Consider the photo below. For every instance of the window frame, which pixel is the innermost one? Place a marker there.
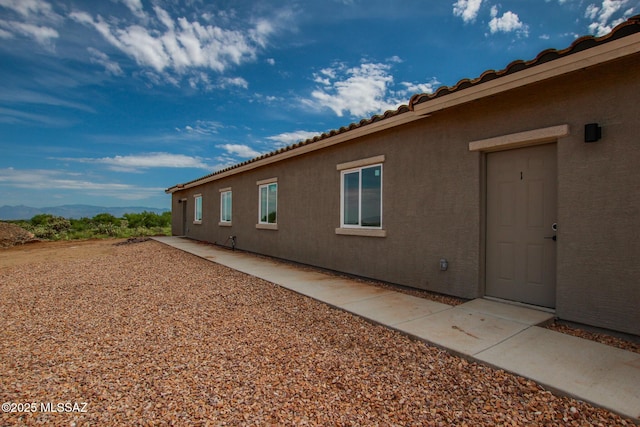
(197, 208)
(223, 220)
(359, 166)
(266, 184)
(359, 171)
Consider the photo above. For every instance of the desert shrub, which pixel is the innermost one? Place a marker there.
(134, 220)
(41, 219)
(147, 219)
(44, 232)
(165, 219)
(56, 224)
(107, 229)
(50, 227)
(82, 224)
(106, 218)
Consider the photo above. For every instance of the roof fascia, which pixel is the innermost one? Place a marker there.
(587, 58)
(388, 123)
(606, 52)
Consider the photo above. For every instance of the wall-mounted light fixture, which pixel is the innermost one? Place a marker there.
(444, 264)
(592, 132)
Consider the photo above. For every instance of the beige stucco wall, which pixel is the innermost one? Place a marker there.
(433, 190)
(599, 204)
(421, 193)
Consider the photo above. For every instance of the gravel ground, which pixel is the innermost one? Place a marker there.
(629, 344)
(148, 335)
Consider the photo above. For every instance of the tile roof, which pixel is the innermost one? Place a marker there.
(630, 26)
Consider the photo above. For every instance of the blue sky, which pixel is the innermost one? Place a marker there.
(109, 102)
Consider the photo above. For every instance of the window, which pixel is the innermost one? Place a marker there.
(197, 214)
(268, 204)
(225, 206)
(362, 197)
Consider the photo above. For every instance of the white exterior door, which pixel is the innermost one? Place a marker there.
(521, 217)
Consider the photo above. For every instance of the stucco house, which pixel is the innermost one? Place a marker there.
(522, 184)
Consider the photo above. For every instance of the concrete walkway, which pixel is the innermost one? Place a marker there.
(501, 335)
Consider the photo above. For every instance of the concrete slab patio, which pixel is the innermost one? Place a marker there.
(501, 335)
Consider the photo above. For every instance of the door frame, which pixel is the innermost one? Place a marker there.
(183, 217)
(552, 134)
(531, 253)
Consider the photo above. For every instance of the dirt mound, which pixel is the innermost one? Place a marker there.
(11, 234)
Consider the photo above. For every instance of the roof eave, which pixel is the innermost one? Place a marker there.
(375, 127)
(587, 58)
(423, 105)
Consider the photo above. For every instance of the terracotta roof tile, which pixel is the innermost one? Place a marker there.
(631, 26)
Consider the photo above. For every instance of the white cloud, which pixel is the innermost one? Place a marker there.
(603, 15)
(135, 6)
(240, 150)
(322, 80)
(154, 160)
(467, 9)
(411, 89)
(133, 163)
(81, 18)
(202, 128)
(10, 115)
(101, 58)
(507, 23)
(21, 96)
(330, 72)
(195, 79)
(289, 138)
(610, 7)
(592, 11)
(146, 49)
(357, 91)
(363, 90)
(261, 32)
(234, 81)
(40, 179)
(41, 34)
(36, 18)
(28, 8)
(178, 45)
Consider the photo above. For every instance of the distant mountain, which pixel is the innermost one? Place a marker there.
(70, 211)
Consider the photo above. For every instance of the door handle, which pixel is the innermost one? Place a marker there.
(554, 238)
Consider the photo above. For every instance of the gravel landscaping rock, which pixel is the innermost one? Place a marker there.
(627, 343)
(148, 335)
